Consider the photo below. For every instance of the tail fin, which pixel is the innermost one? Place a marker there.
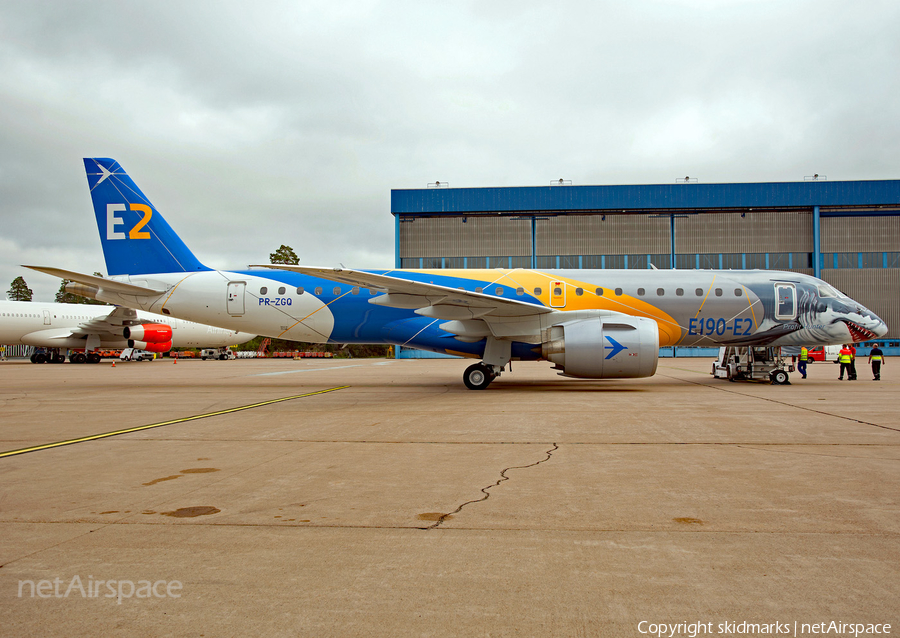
(136, 239)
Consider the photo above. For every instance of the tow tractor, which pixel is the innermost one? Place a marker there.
(753, 363)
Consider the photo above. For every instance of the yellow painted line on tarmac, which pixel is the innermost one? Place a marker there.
(94, 437)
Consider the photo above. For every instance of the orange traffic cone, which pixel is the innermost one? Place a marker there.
(175, 361)
(114, 363)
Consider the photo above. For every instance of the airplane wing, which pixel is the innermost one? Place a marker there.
(427, 299)
(98, 282)
(113, 323)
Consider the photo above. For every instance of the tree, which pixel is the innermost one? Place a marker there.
(19, 290)
(284, 255)
(67, 297)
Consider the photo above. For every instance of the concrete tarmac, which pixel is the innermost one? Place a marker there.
(405, 505)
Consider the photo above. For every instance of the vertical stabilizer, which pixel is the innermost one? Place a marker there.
(136, 239)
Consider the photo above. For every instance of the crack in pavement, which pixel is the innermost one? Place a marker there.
(487, 495)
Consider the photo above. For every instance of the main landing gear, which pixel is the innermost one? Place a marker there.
(480, 375)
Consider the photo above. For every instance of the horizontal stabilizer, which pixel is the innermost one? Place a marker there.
(100, 282)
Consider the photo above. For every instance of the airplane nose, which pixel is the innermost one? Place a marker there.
(881, 329)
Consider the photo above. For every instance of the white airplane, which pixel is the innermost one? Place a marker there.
(597, 324)
(60, 326)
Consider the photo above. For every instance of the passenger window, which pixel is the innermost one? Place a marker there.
(281, 290)
(319, 290)
(679, 292)
(640, 292)
(699, 292)
(538, 292)
(263, 290)
(479, 290)
(499, 291)
(520, 291)
(599, 292)
(337, 290)
(579, 291)
(557, 292)
(660, 292)
(300, 290)
(355, 290)
(718, 292)
(618, 292)
(737, 292)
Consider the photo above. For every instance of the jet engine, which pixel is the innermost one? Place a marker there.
(149, 332)
(165, 346)
(620, 347)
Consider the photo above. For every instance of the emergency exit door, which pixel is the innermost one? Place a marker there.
(557, 294)
(235, 304)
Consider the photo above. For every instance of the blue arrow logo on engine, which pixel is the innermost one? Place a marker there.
(615, 346)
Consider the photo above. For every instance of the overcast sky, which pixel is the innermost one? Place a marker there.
(252, 124)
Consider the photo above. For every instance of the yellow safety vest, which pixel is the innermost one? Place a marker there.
(844, 358)
(804, 354)
(876, 357)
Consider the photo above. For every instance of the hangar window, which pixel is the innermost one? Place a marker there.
(699, 292)
(499, 291)
(337, 290)
(679, 292)
(537, 292)
(738, 292)
(281, 290)
(641, 292)
(718, 292)
(618, 292)
(319, 290)
(263, 290)
(300, 290)
(579, 291)
(599, 292)
(520, 291)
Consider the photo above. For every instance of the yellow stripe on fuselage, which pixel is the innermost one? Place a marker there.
(669, 331)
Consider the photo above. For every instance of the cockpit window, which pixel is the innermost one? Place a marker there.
(827, 291)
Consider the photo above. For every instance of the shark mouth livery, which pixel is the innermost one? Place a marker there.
(596, 324)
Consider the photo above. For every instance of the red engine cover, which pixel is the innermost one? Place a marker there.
(150, 347)
(150, 332)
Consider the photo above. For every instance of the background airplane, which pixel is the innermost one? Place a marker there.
(61, 326)
(590, 323)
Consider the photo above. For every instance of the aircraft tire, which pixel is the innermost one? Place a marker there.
(478, 376)
(78, 357)
(93, 358)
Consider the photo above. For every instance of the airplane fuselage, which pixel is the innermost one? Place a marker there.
(60, 325)
(690, 307)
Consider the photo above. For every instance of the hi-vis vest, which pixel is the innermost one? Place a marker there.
(844, 356)
(804, 354)
(876, 357)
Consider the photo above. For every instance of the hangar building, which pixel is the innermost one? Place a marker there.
(846, 232)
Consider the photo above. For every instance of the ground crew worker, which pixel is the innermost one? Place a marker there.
(844, 358)
(801, 364)
(876, 358)
(852, 376)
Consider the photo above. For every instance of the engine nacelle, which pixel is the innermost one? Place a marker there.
(149, 332)
(608, 348)
(150, 347)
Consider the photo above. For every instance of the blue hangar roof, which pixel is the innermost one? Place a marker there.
(771, 195)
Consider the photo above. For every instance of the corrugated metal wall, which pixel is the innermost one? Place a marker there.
(602, 235)
(478, 236)
(878, 289)
(860, 234)
(769, 232)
